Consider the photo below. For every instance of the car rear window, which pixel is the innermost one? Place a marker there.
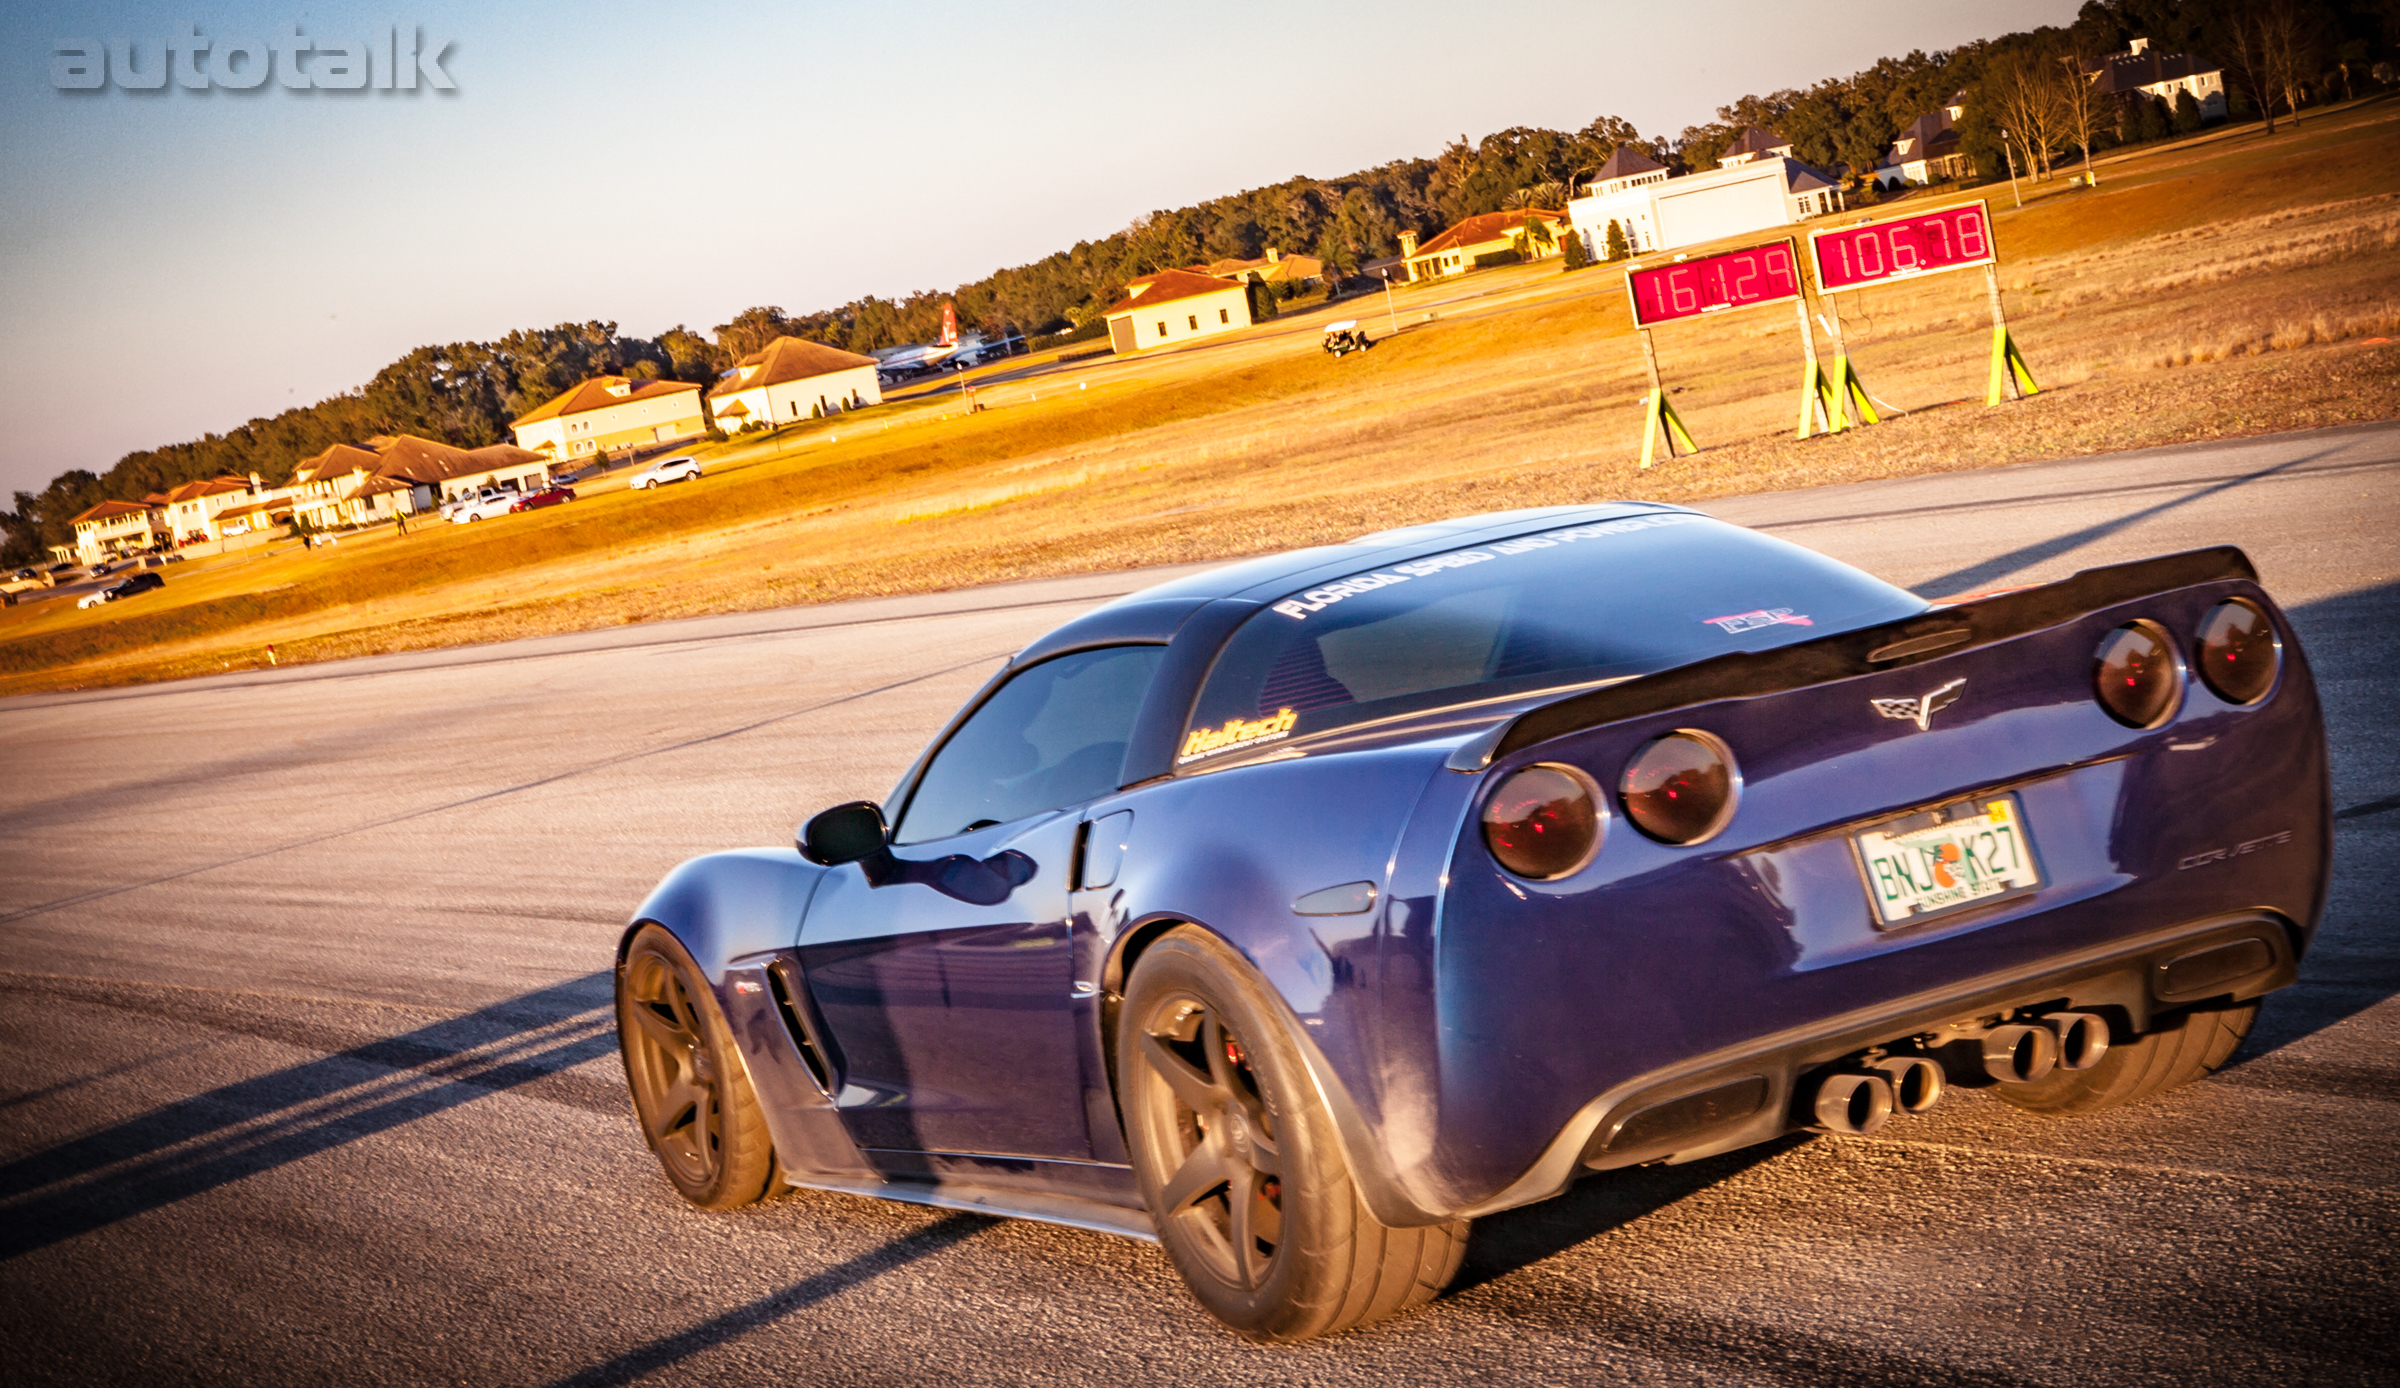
(1547, 609)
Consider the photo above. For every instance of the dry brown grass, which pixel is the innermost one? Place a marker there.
(2149, 316)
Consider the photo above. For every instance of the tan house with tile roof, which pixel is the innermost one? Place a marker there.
(612, 412)
(1455, 251)
(364, 484)
(192, 508)
(1174, 307)
(1274, 268)
(113, 527)
(790, 379)
(443, 472)
(323, 484)
(270, 510)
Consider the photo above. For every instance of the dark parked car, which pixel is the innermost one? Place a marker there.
(1297, 913)
(141, 582)
(551, 497)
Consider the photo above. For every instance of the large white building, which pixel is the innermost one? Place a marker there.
(1756, 186)
(612, 413)
(789, 379)
(1175, 306)
(2162, 76)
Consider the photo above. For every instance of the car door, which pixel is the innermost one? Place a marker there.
(945, 967)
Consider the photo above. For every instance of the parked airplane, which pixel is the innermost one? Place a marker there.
(952, 350)
(915, 358)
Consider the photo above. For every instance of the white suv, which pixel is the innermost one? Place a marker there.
(677, 469)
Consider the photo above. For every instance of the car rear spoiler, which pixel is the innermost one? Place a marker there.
(1843, 655)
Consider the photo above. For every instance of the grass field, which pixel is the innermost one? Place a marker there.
(2231, 285)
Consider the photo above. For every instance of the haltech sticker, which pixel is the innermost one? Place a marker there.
(1236, 734)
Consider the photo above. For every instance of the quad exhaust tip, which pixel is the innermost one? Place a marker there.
(2023, 1053)
(1916, 1081)
(2082, 1038)
(2020, 1054)
(1853, 1103)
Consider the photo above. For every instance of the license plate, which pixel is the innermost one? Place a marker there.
(1948, 858)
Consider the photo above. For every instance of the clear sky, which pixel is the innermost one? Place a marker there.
(177, 262)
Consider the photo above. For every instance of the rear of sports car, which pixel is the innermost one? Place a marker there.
(2057, 841)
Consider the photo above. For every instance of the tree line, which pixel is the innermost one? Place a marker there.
(2031, 106)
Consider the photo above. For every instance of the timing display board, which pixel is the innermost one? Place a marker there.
(1747, 278)
(1953, 238)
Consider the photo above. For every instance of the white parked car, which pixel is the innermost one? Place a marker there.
(490, 501)
(678, 469)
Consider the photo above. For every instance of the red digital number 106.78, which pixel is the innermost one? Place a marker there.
(1937, 241)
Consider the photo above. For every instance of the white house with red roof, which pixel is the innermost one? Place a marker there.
(192, 507)
(791, 379)
(1174, 307)
(114, 527)
(1484, 239)
(612, 412)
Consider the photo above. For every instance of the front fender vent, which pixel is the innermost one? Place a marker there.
(803, 1035)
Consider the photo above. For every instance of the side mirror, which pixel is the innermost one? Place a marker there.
(844, 834)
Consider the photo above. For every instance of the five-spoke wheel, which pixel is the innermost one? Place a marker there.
(1227, 1189)
(1241, 1165)
(689, 1089)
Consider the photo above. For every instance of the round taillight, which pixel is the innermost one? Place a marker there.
(1681, 788)
(2239, 651)
(1543, 822)
(2137, 676)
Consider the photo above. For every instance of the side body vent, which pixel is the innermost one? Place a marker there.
(783, 982)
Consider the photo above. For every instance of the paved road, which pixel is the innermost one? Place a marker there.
(306, 1072)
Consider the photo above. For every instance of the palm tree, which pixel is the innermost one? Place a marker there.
(1550, 195)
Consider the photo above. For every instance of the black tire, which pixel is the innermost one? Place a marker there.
(690, 1092)
(1240, 1164)
(2179, 1049)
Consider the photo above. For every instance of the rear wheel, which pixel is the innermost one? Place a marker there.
(2179, 1049)
(689, 1088)
(1240, 1164)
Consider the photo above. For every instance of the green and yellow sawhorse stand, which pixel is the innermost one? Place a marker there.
(1659, 419)
(2010, 375)
(1826, 401)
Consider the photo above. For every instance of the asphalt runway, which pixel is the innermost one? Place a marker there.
(308, 1075)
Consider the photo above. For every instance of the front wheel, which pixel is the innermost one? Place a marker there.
(690, 1092)
(2176, 1051)
(1240, 1163)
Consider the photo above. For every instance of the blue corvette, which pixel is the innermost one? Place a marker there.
(1298, 913)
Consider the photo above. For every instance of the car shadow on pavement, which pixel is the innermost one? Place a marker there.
(1500, 1244)
(195, 1145)
(668, 1350)
(1976, 577)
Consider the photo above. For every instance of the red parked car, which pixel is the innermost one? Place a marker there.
(537, 500)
